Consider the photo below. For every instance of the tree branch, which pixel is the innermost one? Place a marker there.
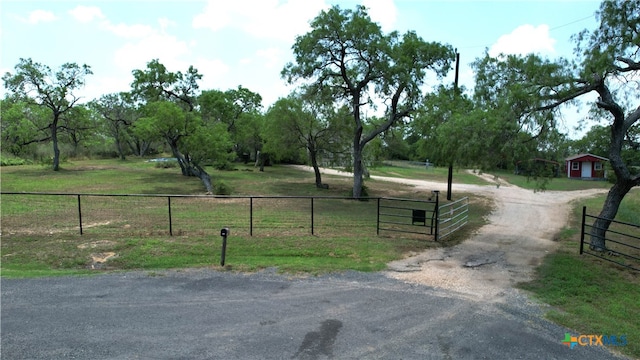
(632, 65)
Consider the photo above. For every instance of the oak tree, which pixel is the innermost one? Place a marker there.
(347, 53)
(38, 84)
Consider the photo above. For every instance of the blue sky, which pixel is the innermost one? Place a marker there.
(247, 42)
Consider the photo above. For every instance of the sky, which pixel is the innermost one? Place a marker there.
(248, 42)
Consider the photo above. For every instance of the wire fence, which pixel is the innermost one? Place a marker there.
(203, 215)
(25, 214)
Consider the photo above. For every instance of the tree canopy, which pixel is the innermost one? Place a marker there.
(348, 54)
(38, 84)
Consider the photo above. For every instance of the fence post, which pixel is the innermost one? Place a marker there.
(584, 216)
(251, 216)
(378, 219)
(170, 222)
(312, 216)
(80, 214)
(437, 213)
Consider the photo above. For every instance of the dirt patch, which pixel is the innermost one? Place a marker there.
(98, 260)
(97, 244)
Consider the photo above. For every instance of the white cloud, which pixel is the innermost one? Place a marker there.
(86, 14)
(130, 31)
(525, 39)
(261, 19)
(40, 16)
(383, 12)
(168, 49)
(166, 23)
(102, 85)
(213, 71)
(271, 58)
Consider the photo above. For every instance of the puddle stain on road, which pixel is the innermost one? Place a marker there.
(317, 343)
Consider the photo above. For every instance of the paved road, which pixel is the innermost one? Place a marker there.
(204, 314)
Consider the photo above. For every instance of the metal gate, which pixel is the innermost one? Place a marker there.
(408, 215)
(452, 217)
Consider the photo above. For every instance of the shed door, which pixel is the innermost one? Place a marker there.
(586, 169)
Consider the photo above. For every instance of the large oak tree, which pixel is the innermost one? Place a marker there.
(170, 113)
(38, 84)
(349, 54)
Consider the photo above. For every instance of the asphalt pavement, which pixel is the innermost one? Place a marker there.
(207, 314)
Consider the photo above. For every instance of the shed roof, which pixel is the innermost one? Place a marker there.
(576, 157)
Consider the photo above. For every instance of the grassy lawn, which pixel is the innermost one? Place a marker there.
(554, 184)
(590, 295)
(40, 233)
(405, 169)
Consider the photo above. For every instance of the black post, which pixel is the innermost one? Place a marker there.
(312, 216)
(449, 181)
(455, 94)
(251, 216)
(378, 219)
(224, 233)
(437, 212)
(170, 222)
(584, 216)
(80, 214)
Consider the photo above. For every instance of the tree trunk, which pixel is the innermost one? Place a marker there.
(608, 213)
(190, 168)
(358, 172)
(313, 155)
(624, 179)
(54, 140)
(120, 149)
(118, 139)
(198, 171)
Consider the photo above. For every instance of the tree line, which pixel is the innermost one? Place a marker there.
(345, 67)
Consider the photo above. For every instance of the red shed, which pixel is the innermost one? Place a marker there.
(586, 166)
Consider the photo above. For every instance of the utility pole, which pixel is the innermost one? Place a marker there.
(455, 97)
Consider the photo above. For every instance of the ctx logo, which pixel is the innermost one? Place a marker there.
(594, 340)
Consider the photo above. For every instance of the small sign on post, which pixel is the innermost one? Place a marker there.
(224, 233)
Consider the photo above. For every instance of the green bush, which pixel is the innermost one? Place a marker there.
(12, 161)
(222, 188)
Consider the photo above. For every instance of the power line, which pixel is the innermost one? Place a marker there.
(570, 23)
(550, 29)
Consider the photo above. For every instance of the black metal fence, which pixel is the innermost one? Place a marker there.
(25, 214)
(49, 213)
(622, 247)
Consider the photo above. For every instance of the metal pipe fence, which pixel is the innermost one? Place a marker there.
(25, 214)
(184, 215)
(622, 241)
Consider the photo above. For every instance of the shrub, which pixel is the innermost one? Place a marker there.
(222, 188)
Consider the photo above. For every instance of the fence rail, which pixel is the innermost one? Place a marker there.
(452, 217)
(622, 247)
